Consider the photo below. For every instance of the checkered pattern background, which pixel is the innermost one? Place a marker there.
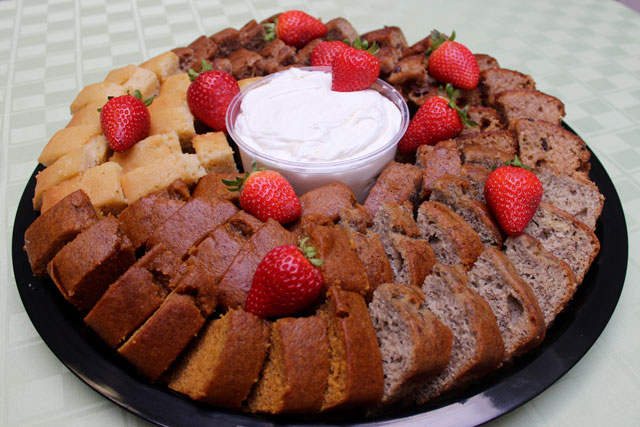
(586, 52)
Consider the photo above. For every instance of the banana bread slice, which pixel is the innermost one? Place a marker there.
(477, 343)
(294, 377)
(398, 182)
(544, 144)
(565, 237)
(410, 255)
(453, 240)
(503, 140)
(552, 281)
(487, 118)
(224, 362)
(435, 161)
(415, 345)
(579, 197)
(514, 304)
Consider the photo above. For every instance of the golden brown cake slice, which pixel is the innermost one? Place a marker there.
(164, 65)
(133, 78)
(131, 299)
(295, 374)
(494, 81)
(414, 344)
(211, 186)
(398, 182)
(85, 268)
(328, 200)
(355, 372)
(96, 92)
(56, 227)
(435, 161)
(224, 362)
(529, 104)
(150, 150)
(214, 152)
(67, 140)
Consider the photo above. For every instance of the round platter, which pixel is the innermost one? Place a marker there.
(574, 331)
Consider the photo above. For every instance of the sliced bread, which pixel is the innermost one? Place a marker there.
(415, 345)
(529, 104)
(498, 80)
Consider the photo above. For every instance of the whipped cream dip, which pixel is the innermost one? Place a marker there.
(297, 117)
(292, 122)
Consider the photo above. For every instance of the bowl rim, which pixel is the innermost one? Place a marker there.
(312, 167)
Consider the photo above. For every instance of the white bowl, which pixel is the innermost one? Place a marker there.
(359, 173)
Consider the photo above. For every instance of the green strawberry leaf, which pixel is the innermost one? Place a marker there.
(437, 38)
(451, 95)
(309, 252)
(515, 162)
(270, 30)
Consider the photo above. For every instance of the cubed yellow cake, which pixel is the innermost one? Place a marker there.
(159, 175)
(214, 152)
(133, 77)
(150, 150)
(163, 65)
(91, 154)
(87, 115)
(96, 92)
(101, 183)
(66, 140)
(169, 114)
(175, 87)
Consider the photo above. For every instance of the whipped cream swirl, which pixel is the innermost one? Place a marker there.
(297, 117)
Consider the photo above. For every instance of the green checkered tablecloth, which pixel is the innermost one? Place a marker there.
(586, 52)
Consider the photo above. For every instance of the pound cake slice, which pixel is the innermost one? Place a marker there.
(579, 197)
(514, 304)
(85, 268)
(565, 237)
(56, 227)
(414, 344)
(551, 280)
(453, 241)
(355, 372)
(545, 144)
(477, 343)
(410, 256)
(224, 362)
(294, 377)
(131, 299)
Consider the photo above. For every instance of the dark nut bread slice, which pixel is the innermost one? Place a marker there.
(486, 62)
(228, 41)
(84, 268)
(514, 304)
(529, 104)
(435, 161)
(552, 281)
(245, 63)
(498, 80)
(415, 345)
(355, 371)
(579, 197)
(487, 118)
(225, 360)
(453, 240)
(303, 56)
(409, 70)
(398, 182)
(544, 144)
(455, 192)
(388, 57)
(410, 256)
(252, 36)
(294, 377)
(477, 343)
(340, 29)
(565, 237)
(386, 37)
(56, 227)
(503, 140)
(368, 246)
(328, 200)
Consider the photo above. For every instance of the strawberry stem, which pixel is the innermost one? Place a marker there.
(236, 184)
(270, 30)
(437, 38)
(309, 252)
(364, 45)
(515, 162)
(451, 94)
(193, 74)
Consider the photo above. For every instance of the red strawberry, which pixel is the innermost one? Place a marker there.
(513, 194)
(210, 94)
(324, 53)
(295, 28)
(125, 120)
(286, 281)
(439, 118)
(452, 62)
(355, 69)
(266, 194)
